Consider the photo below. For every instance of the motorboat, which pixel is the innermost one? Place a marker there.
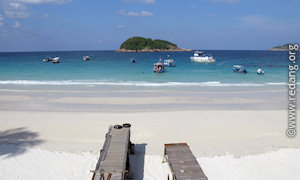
(132, 61)
(240, 69)
(86, 58)
(170, 63)
(55, 60)
(47, 59)
(201, 57)
(159, 67)
(260, 72)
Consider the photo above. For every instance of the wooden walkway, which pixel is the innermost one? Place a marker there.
(182, 162)
(113, 162)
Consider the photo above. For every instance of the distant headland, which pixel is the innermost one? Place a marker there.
(284, 47)
(140, 44)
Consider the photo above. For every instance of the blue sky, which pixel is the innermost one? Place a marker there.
(49, 25)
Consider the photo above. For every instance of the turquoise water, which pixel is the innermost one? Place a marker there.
(111, 68)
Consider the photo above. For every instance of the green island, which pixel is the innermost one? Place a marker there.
(284, 47)
(140, 44)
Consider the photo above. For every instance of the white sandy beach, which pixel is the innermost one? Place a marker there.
(40, 141)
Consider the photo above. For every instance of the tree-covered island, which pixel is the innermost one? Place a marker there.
(140, 44)
(284, 47)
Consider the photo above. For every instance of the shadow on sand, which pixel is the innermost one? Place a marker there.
(137, 161)
(16, 141)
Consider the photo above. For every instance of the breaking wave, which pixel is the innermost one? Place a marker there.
(131, 83)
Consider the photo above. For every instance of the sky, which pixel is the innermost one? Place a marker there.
(52, 25)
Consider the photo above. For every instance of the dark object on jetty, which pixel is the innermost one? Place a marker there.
(118, 126)
(182, 162)
(126, 125)
(113, 163)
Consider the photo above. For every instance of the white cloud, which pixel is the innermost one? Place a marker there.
(15, 10)
(43, 1)
(146, 13)
(131, 13)
(19, 9)
(121, 26)
(141, 1)
(17, 25)
(226, 1)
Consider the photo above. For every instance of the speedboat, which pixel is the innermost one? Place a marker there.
(260, 72)
(170, 63)
(159, 67)
(132, 61)
(47, 59)
(86, 58)
(240, 69)
(55, 60)
(200, 57)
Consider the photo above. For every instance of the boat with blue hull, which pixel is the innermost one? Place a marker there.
(132, 61)
(159, 67)
(239, 69)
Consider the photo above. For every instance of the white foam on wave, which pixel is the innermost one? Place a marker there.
(276, 83)
(131, 83)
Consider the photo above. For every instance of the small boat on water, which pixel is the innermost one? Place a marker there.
(132, 61)
(239, 69)
(55, 60)
(47, 59)
(170, 63)
(201, 57)
(86, 58)
(159, 67)
(260, 72)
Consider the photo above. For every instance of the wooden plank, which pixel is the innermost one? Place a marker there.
(183, 163)
(113, 156)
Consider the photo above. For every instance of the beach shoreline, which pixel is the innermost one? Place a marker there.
(127, 99)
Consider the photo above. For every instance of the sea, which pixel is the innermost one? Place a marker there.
(110, 68)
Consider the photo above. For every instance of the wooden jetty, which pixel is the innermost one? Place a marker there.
(182, 162)
(113, 163)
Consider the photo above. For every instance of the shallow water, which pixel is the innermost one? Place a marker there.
(112, 68)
